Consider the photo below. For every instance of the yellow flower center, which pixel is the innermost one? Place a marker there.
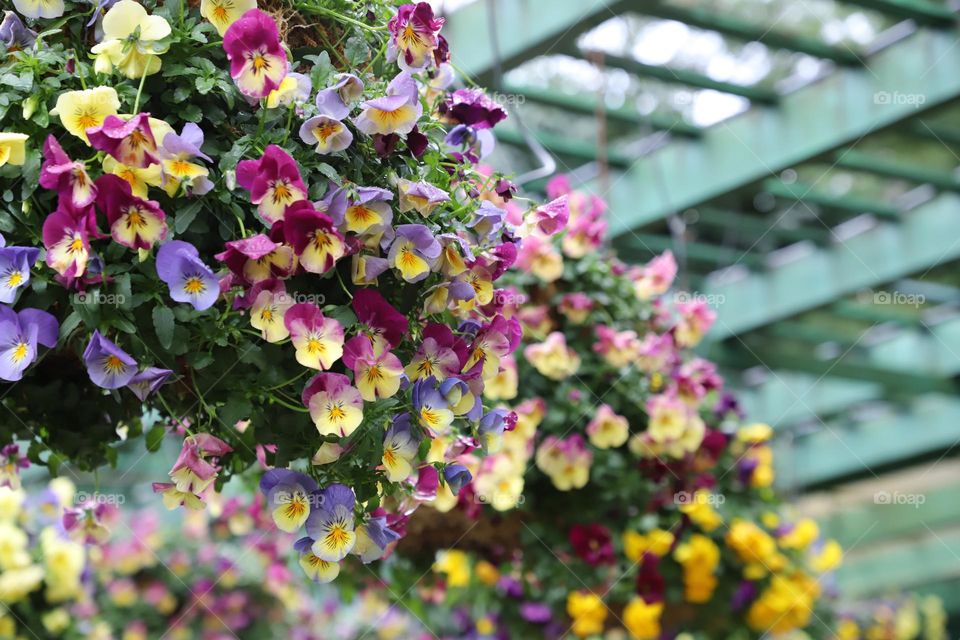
(14, 278)
(19, 352)
(113, 364)
(194, 284)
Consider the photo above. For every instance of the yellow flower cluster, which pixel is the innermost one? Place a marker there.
(785, 604)
(699, 557)
(751, 446)
(657, 542)
(699, 508)
(455, 565)
(642, 619)
(587, 612)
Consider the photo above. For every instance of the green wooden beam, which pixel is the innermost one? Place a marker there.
(925, 237)
(807, 194)
(790, 397)
(685, 77)
(859, 161)
(643, 246)
(625, 115)
(814, 120)
(930, 425)
(805, 331)
(751, 32)
(561, 146)
(882, 313)
(934, 132)
(759, 226)
(523, 30)
(921, 11)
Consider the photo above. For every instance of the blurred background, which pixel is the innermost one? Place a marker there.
(799, 158)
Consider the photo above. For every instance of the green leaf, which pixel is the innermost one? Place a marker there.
(356, 50)
(164, 324)
(329, 171)
(67, 326)
(186, 215)
(155, 437)
(205, 85)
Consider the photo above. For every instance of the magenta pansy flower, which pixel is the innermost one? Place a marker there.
(66, 238)
(415, 34)
(379, 321)
(20, 335)
(108, 366)
(335, 405)
(68, 177)
(552, 217)
(258, 63)
(474, 108)
(130, 142)
(313, 237)
(197, 466)
(258, 258)
(273, 181)
(376, 370)
(318, 340)
(189, 279)
(134, 222)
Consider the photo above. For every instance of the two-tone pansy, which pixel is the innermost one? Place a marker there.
(414, 252)
(258, 63)
(270, 304)
(177, 153)
(67, 240)
(318, 340)
(69, 178)
(313, 236)
(189, 279)
(86, 109)
(315, 567)
(273, 181)
(36, 9)
(376, 370)
(379, 321)
(396, 112)
(293, 90)
(15, 265)
(290, 495)
(130, 142)
(134, 222)
(415, 34)
(331, 524)
(335, 100)
(145, 384)
(108, 366)
(421, 197)
(399, 449)
(257, 258)
(329, 135)
(223, 13)
(334, 404)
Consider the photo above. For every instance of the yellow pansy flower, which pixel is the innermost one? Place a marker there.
(131, 41)
(13, 148)
(82, 110)
(223, 13)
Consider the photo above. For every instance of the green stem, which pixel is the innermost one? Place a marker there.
(289, 122)
(288, 382)
(143, 78)
(383, 49)
(330, 13)
(263, 120)
(288, 405)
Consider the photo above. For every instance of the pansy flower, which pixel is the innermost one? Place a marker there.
(12, 462)
(273, 181)
(86, 109)
(269, 307)
(13, 148)
(318, 340)
(176, 155)
(335, 405)
(174, 498)
(134, 222)
(290, 495)
(607, 430)
(373, 538)
(376, 370)
(365, 269)
(331, 524)
(414, 251)
(415, 34)
(328, 134)
(431, 407)
(130, 141)
(421, 197)
(491, 428)
(399, 449)
(494, 341)
(368, 212)
(456, 476)
(68, 177)
(189, 279)
(335, 100)
(552, 217)
(85, 523)
(197, 466)
(223, 13)
(39, 8)
(20, 333)
(258, 63)
(473, 108)
(145, 384)
(435, 356)
(258, 258)
(396, 112)
(132, 41)
(313, 237)
(140, 180)
(14, 35)
(15, 265)
(380, 322)
(316, 568)
(552, 357)
(293, 90)
(109, 366)
(67, 241)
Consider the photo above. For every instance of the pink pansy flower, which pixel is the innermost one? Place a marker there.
(436, 355)
(422, 197)
(377, 371)
(584, 233)
(552, 357)
(396, 112)
(197, 465)
(130, 142)
(576, 307)
(415, 34)
(267, 313)
(656, 277)
(313, 237)
(258, 63)
(68, 177)
(379, 321)
(258, 258)
(618, 348)
(134, 222)
(494, 341)
(67, 241)
(696, 318)
(335, 405)
(552, 217)
(318, 340)
(273, 181)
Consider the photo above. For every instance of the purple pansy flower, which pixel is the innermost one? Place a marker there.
(473, 108)
(179, 265)
(146, 383)
(109, 366)
(334, 101)
(414, 252)
(396, 112)
(290, 495)
(373, 538)
(456, 475)
(327, 133)
(487, 221)
(14, 35)
(20, 333)
(420, 196)
(15, 265)
(432, 410)
(331, 524)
